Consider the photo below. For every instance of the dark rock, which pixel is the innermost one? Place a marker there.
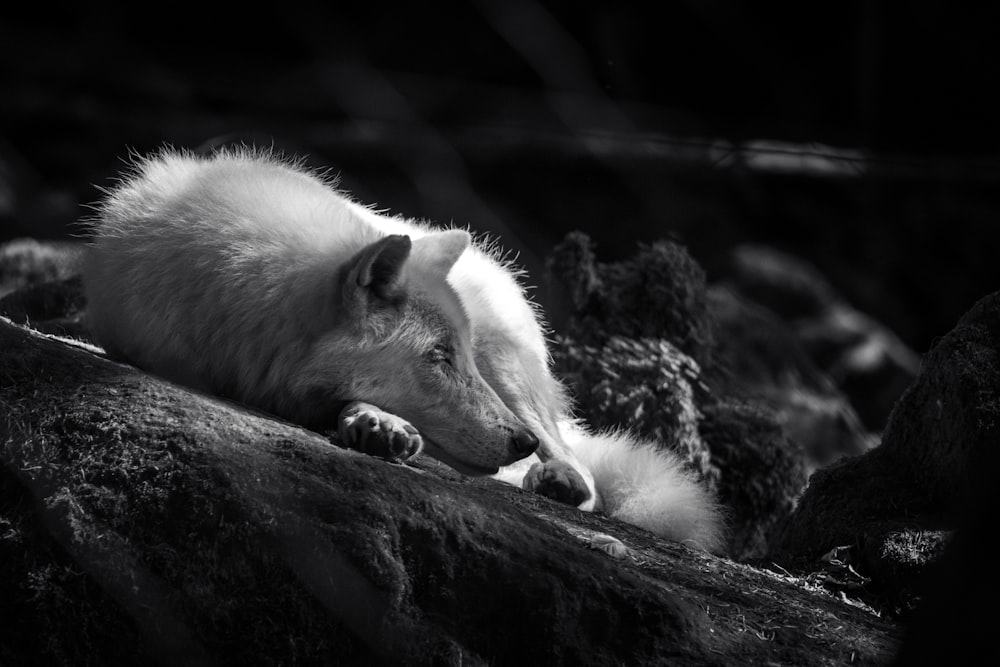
(960, 587)
(55, 307)
(899, 561)
(927, 471)
(881, 524)
(949, 419)
(855, 496)
(144, 521)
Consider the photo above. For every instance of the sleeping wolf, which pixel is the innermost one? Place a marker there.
(244, 275)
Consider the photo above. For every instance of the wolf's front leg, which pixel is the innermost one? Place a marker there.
(370, 430)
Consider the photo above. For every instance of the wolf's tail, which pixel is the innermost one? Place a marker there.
(647, 486)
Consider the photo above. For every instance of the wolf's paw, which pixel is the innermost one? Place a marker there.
(367, 429)
(557, 480)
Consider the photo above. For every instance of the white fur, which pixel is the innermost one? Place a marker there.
(648, 487)
(222, 268)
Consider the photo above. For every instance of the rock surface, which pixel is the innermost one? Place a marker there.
(53, 306)
(897, 504)
(144, 521)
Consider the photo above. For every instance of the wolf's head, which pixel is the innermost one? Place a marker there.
(403, 342)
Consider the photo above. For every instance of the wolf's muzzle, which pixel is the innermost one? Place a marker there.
(523, 441)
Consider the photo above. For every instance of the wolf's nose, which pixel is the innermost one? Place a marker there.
(524, 441)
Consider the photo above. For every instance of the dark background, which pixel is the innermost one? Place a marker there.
(858, 135)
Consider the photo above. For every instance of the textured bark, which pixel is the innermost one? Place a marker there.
(144, 521)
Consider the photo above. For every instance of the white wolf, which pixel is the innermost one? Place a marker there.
(245, 275)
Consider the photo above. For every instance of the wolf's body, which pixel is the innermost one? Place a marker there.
(246, 276)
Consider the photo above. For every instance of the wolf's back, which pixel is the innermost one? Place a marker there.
(198, 268)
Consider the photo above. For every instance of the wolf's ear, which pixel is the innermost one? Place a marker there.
(376, 271)
(438, 251)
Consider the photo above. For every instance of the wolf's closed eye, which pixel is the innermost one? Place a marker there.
(441, 354)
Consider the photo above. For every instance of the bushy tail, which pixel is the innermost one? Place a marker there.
(647, 486)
